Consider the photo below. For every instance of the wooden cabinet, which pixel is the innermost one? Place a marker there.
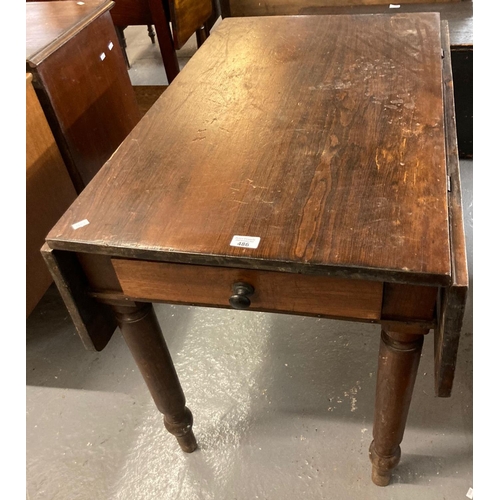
(81, 80)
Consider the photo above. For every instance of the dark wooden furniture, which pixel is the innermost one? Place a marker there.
(49, 193)
(186, 17)
(458, 14)
(304, 165)
(241, 8)
(81, 80)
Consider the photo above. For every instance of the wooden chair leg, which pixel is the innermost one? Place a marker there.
(398, 361)
(165, 39)
(151, 33)
(142, 333)
(201, 35)
(120, 32)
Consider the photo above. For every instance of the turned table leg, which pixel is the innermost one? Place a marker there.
(201, 35)
(145, 340)
(165, 39)
(398, 361)
(151, 33)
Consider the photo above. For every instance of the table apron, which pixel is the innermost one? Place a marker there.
(274, 291)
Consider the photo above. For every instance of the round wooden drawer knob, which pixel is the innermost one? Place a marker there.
(241, 293)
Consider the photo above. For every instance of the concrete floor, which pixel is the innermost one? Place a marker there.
(283, 405)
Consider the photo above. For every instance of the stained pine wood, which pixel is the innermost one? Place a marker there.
(49, 192)
(323, 136)
(453, 298)
(459, 16)
(338, 162)
(81, 80)
(284, 292)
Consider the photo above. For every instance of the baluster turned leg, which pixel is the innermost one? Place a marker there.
(165, 39)
(398, 361)
(144, 338)
(151, 33)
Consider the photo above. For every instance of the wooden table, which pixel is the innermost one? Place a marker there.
(304, 165)
(81, 80)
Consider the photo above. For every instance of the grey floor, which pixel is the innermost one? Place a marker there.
(283, 405)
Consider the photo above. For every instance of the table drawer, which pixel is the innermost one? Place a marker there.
(273, 291)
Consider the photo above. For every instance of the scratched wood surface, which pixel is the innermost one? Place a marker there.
(322, 135)
(82, 82)
(458, 14)
(50, 24)
(293, 7)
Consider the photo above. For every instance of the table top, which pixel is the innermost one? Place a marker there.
(321, 135)
(50, 24)
(458, 14)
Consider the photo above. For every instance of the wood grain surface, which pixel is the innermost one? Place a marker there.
(85, 91)
(293, 7)
(322, 135)
(453, 298)
(278, 292)
(187, 16)
(49, 25)
(409, 302)
(459, 15)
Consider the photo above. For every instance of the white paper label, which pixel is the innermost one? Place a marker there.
(394, 6)
(78, 225)
(245, 241)
(469, 493)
